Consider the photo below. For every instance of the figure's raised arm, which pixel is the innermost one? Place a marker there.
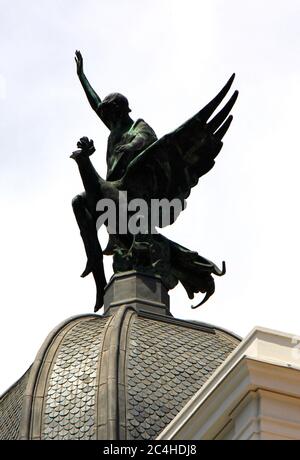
(91, 94)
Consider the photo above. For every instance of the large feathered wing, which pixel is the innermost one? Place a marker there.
(172, 165)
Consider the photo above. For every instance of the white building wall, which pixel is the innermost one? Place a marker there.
(254, 395)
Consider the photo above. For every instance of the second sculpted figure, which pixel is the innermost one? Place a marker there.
(148, 168)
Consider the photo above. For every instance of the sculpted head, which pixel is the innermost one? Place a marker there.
(114, 106)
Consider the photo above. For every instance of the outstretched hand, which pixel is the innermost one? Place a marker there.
(79, 62)
(86, 149)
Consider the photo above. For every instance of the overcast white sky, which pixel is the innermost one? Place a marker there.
(169, 57)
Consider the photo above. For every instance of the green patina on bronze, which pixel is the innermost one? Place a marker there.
(149, 168)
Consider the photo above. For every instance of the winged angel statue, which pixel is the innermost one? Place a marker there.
(147, 168)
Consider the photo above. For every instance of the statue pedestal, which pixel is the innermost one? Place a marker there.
(144, 293)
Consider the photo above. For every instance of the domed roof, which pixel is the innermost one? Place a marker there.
(124, 376)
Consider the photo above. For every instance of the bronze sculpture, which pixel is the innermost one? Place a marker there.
(149, 169)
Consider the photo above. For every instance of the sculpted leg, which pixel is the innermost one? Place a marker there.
(88, 232)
